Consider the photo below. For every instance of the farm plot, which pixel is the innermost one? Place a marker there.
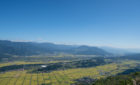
(63, 77)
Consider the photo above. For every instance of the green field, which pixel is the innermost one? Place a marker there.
(62, 77)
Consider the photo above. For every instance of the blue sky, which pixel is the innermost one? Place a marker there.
(113, 23)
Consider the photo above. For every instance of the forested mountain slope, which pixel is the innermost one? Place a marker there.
(8, 48)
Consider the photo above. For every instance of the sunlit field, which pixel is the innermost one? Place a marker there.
(62, 77)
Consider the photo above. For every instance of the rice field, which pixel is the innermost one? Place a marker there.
(63, 77)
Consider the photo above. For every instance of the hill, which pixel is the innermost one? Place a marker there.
(9, 48)
(130, 79)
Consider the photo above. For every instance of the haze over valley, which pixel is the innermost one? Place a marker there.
(69, 42)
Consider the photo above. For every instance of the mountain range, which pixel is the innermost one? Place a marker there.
(9, 48)
(121, 51)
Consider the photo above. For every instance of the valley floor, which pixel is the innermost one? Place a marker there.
(64, 77)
